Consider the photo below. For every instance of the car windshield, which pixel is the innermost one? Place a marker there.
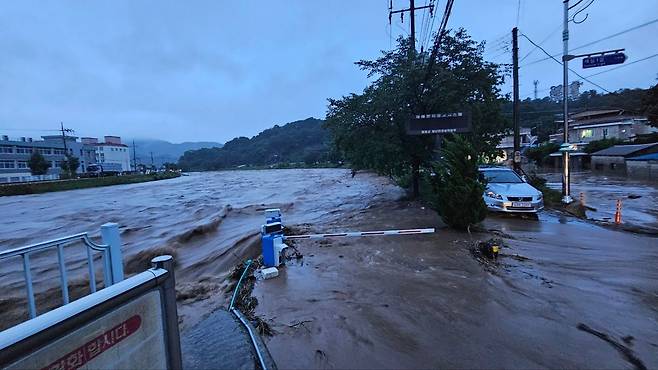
(507, 177)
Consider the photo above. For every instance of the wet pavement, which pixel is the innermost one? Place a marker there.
(424, 301)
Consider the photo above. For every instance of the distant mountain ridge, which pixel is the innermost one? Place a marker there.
(165, 151)
(300, 141)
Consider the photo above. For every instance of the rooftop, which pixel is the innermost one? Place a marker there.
(645, 157)
(623, 150)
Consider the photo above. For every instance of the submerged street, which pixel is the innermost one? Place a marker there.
(385, 301)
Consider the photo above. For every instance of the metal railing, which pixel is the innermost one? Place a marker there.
(111, 255)
(67, 330)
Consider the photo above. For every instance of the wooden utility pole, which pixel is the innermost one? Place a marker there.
(516, 111)
(412, 52)
(134, 157)
(64, 131)
(412, 9)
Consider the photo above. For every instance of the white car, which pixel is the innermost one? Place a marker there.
(507, 192)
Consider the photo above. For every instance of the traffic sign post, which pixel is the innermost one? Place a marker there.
(604, 60)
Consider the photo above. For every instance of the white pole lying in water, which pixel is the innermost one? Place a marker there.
(361, 233)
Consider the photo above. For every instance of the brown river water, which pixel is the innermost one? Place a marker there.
(210, 221)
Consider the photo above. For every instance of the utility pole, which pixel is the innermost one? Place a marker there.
(412, 8)
(535, 82)
(516, 111)
(64, 131)
(134, 157)
(412, 52)
(566, 180)
(152, 166)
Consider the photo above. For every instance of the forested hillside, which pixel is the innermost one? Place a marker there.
(299, 141)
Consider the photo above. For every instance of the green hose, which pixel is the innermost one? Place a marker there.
(237, 287)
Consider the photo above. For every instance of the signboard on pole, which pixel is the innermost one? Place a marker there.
(439, 123)
(604, 60)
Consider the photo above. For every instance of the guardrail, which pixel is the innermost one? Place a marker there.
(111, 254)
(130, 324)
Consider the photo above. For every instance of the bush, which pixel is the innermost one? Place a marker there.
(458, 185)
(541, 153)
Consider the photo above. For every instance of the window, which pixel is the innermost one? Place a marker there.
(6, 149)
(58, 151)
(21, 164)
(44, 151)
(21, 150)
(7, 164)
(502, 177)
(605, 133)
(586, 133)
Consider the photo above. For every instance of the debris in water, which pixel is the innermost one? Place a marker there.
(634, 196)
(266, 273)
(628, 354)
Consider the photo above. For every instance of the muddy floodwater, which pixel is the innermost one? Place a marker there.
(209, 221)
(564, 293)
(600, 191)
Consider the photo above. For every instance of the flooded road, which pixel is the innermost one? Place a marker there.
(639, 198)
(209, 221)
(563, 294)
(424, 301)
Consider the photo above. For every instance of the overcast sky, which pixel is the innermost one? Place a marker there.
(214, 70)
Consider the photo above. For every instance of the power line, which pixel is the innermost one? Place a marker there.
(595, 42)
(560, 63)
(542, 42)
(624, 65)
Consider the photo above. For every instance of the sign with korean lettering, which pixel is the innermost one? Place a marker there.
(604, 60)
(130, 336)
(439, 123)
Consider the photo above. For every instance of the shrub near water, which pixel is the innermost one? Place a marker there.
(458, 185)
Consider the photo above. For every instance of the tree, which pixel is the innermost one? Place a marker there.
(368, 129)
(70, 165)
(38, 164)
(541, 153)
(650, 105)
(458, 184)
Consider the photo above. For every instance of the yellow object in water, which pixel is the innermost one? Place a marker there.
(495, 248)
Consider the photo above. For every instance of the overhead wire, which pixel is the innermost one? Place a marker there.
(595, 41)
(559, 62)
(542, 42)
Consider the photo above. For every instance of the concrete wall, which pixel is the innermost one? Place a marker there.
(647, 170)
(611, 164)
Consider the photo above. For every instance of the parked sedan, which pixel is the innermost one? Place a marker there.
(507, 192)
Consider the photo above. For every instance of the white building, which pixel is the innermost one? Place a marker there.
(110, 154)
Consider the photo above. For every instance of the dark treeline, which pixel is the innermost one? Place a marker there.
(303, 141)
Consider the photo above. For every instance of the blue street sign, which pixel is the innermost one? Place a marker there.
(604, 60)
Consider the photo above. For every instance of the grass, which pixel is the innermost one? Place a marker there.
(50, 186)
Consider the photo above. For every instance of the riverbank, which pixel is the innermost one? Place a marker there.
(82, 183)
